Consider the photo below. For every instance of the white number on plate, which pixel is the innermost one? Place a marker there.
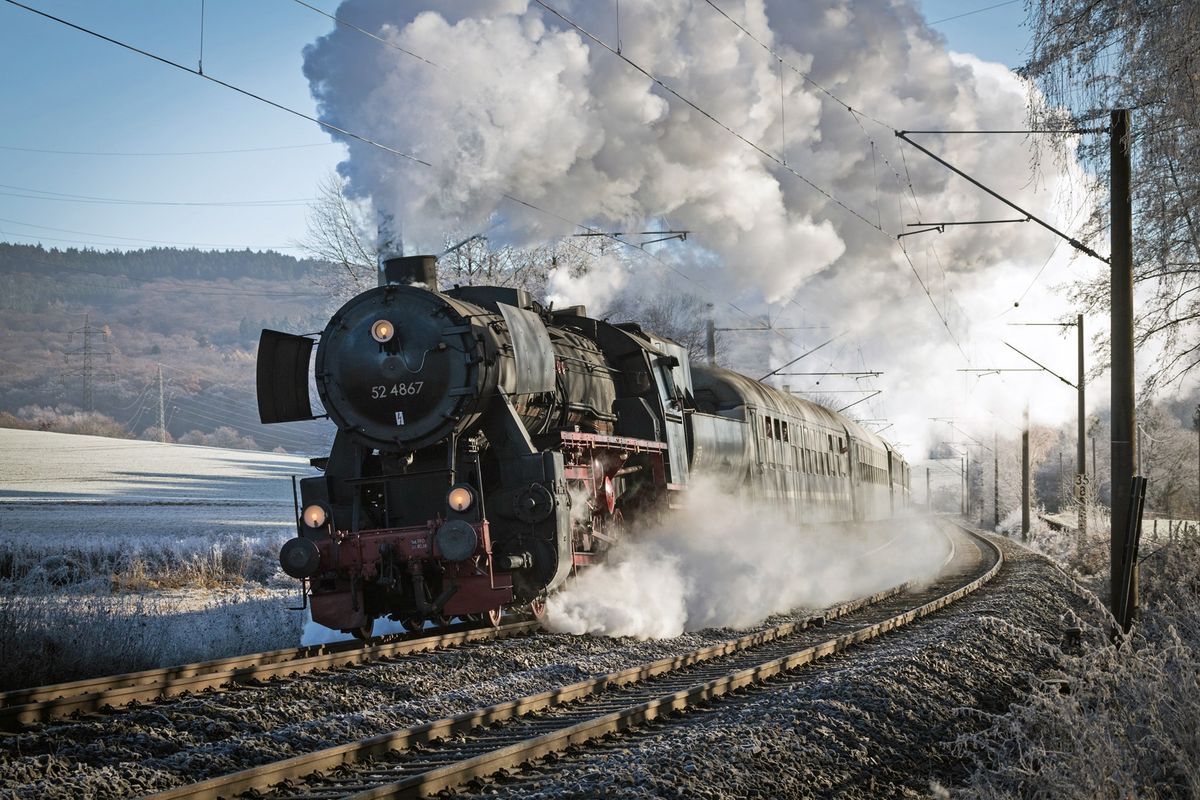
(396, 390)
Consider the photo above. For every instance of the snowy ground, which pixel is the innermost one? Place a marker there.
(56, 484)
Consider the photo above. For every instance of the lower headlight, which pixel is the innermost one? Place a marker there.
(315, 515)
(460, 498)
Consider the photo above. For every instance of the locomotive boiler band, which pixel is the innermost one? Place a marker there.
(487, 447)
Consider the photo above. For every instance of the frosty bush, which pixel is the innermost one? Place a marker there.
(64, 419)
(223, 436)
(138, 563)
(1113, 720)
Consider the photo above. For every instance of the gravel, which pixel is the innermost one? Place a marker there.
(876, 721)
(141, 750)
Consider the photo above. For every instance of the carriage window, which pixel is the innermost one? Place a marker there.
(785, 432)
(778, 434)
(766, 427)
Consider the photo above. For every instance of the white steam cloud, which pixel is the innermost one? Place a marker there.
(724, 562)
(596, 288)
(521, 105)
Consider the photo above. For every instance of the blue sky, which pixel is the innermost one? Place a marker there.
(66, 91)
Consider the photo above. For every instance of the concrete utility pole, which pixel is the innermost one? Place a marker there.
(1124, 419)
(1081, 480)
(964, 498)
(996, 478)
(928, 499)
(1025, 477)
(162, 409)
(710, 342)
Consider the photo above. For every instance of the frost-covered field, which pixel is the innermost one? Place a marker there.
(118, 555)
(57, 484)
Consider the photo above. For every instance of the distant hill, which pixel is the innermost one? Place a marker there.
(196, 313)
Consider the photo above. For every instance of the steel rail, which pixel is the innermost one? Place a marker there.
(21, 707)
(446, 775)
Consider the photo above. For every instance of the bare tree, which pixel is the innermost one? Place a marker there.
(338, 232)
(1091, 56)
(679, 317)
(475, 260)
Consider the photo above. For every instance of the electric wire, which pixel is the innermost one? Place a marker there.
(290, 201)
(857, 115)
(133, 239)
(706, 114)
(365, 32)
(128, 154)
(972, 13)
(238, 89)
(807, 78)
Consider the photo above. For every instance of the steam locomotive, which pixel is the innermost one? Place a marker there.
(487, 447)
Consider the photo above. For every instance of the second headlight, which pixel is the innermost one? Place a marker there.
(460, 497)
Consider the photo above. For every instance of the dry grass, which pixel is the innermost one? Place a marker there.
(1114, 719)
(137, 563)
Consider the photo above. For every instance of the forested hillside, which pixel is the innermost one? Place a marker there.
(196, 314)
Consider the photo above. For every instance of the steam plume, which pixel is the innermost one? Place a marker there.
(521, 105)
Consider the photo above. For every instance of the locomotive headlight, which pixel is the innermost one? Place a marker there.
(315, 515)
(460, 498)
(383, 331)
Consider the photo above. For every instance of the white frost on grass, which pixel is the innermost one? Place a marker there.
(724, 562)
(69, 636)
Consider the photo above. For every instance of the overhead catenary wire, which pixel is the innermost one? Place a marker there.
(133, 239)
(857, 115)
(706, 114)
(972, 13)
(227, 85)
(366, 32)
(50, 195)
(165, 153)
(806, 76)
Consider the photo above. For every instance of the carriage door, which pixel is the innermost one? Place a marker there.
(673, 427)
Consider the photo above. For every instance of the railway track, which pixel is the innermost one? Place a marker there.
(449, 752)
(22, 707)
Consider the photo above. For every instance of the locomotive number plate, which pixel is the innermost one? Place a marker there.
(396, 390)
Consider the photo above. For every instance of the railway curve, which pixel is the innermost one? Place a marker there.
(452, 751)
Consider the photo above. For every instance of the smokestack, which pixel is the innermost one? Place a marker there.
(410, 270)
(390, 245)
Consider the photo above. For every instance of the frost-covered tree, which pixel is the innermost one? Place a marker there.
(1089, 57)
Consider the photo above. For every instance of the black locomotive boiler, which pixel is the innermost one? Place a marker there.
(487, 447)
